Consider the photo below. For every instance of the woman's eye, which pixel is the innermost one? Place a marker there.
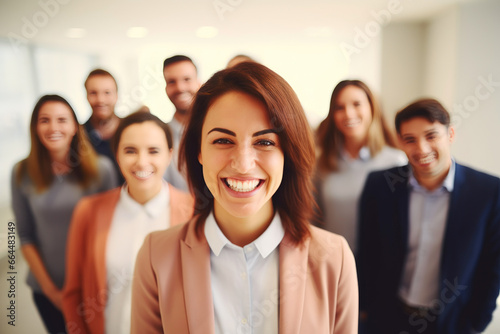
(222, 141)
(266, 142)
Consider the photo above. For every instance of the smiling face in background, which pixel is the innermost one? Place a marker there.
(241, 157)
(56, 127)
(353, 114)
(143, 156)
(102, 96)
(428, 147)
(181, 84)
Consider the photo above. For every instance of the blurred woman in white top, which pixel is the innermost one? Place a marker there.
(108, 229)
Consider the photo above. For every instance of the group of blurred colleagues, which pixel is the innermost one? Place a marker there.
(236, 217)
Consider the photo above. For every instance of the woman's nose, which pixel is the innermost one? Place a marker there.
(243, 159)
(350, 111)
(53, 126)
(142, 159)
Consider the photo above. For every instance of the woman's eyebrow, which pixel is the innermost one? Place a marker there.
(226, 131)
(231, 133)
(263, 132)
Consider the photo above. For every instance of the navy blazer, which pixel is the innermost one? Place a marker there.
(470, 261)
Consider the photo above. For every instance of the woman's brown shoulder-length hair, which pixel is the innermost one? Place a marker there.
(330, 140)
(294, 198)
(82, 158)
(139, 117)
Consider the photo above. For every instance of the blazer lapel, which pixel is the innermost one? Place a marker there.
(292, 278)
(195, 257)
(402, 199)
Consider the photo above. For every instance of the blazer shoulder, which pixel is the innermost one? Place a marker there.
(331, 247)
(474, 174)
(472, 180)
(180, 197)
(400, 171)
(387, 179)
(178, 193)
(89, 210)
(320, 236)
(101, 198)
(172, 236)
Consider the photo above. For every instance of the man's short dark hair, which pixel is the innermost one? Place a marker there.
(177, 59)
(102, 73)
(430, 109)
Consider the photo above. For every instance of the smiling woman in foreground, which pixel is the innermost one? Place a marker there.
(249, 261)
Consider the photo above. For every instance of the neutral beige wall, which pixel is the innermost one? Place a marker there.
(477, 102)
(440, 56)
(402, 66)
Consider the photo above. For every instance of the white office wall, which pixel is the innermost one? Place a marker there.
(440, 57)
(477, 93)
(17, 90)
(403, 48)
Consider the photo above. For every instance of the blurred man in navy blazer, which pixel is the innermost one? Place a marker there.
(429, 240)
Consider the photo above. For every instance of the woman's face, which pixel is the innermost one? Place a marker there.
(241, 156)
(143, 156)
(56, 127)
(353, 114)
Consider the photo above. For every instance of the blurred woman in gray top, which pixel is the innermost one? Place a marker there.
(352, 140)
(61, 168)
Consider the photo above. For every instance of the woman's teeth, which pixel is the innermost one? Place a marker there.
(242, 186)
(55, 136)
(352, 123)
(142, 175)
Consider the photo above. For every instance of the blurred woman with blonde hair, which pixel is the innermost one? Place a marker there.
(352, 141)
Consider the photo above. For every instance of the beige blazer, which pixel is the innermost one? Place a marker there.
(85, 290)
(171, 291)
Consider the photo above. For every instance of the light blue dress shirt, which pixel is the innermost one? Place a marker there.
(245, 280)
(428, 212)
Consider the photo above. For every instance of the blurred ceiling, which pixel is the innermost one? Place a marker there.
(96, 24)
